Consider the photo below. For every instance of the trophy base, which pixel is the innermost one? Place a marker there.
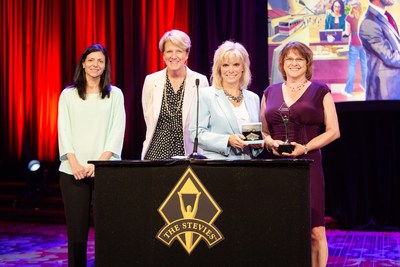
(288, 148)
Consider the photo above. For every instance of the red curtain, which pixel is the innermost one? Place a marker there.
(30, 76)
(159, 17)
(40, 45)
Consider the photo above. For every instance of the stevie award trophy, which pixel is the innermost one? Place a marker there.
(284, 111)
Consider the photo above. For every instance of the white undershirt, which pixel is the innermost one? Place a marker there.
(241, 114)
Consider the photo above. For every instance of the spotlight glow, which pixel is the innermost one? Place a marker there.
(34, 165)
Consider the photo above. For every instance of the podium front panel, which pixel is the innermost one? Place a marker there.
(265, 217)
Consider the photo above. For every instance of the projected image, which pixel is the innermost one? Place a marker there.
(356, 49)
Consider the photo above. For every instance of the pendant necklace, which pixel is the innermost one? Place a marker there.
(296, 88)
(178, 107)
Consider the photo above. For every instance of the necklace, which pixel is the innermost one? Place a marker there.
(178, 107)
(236, 99)
(296, 88)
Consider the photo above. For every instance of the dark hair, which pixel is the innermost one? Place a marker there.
(341, 6)
(303, 51)
(80, 77)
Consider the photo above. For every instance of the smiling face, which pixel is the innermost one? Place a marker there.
(94, 65)
(231, 70)
(174, 56)
(295, 66)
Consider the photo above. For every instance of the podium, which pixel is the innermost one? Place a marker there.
(261, 208)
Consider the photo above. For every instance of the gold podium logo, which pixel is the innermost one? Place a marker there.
(189, 212)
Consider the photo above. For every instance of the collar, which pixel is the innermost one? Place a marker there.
(378, 9)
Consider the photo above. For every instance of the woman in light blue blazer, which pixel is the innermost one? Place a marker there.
(226, 105)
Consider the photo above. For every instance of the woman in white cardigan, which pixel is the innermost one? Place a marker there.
(167, 98)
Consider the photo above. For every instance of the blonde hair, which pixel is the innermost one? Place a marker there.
(226, 50)
(178, 38)
(356, 9)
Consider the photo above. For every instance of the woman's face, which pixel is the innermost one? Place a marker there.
(94, 64)
(294, 65)
(337, 8)
(174, 56)
(231, 70)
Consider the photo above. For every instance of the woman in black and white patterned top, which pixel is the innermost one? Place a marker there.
(167, 98)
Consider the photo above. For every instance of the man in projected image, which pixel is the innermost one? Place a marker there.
(380, 37)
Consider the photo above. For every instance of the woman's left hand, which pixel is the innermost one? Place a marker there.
(236, 141)
(298, 150)
(90, 170)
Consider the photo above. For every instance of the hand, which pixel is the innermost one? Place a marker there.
(298, 150)
(78, 171)
(90, 170)
(273, 147)
(236, 141)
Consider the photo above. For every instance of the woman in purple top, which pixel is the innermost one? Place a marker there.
(356, 50)
(312, 125)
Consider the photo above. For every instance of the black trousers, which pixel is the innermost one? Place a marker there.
(77, 197)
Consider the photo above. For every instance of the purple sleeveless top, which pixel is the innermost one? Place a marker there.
(306, 117)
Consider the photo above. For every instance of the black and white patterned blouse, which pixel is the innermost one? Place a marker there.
(167, 140)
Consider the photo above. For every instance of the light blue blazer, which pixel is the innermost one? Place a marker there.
(217, 122)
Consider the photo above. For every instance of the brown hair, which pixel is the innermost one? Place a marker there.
(303, 50)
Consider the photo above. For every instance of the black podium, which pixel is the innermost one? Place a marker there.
(235, 213)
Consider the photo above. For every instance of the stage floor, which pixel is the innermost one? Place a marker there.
(34, 245)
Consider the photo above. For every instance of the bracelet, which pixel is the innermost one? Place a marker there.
(305, 149)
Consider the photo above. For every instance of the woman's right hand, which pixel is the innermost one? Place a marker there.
(78, 171)
(236, 141)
